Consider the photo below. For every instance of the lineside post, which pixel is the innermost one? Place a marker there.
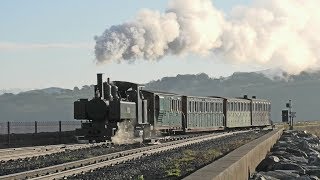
(8, 140)
(60, 132)
(36, 127)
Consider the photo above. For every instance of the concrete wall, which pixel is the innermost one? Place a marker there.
(240, 163)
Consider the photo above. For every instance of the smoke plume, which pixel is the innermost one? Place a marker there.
(124, 134)
(269, 32)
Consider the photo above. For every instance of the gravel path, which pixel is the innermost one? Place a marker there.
(174, 164)
(20, 165)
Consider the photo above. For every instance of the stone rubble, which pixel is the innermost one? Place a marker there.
(295, 156)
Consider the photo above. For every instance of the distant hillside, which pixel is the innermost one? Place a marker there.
(54, 104)
(13, 91)
(50, 104)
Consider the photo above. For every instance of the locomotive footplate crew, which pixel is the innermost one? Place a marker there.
(156, 112)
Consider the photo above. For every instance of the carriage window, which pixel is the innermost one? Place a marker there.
(206, 107)
(173, 105)
(192, 106)
(178, 105)
(203, 107)
(259, 106)
(195, 106)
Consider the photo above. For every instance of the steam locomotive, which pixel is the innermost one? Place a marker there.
(152, 112)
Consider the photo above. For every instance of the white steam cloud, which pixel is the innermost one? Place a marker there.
(124, 134)
(273, 32)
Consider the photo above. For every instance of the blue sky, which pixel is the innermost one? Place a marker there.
(50, 43)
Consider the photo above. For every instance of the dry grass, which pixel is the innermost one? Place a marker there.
(312, 127)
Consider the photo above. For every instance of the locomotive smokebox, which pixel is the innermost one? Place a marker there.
(99, 84)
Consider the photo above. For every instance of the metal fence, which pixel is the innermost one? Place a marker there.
(38, 126)
(15, 134)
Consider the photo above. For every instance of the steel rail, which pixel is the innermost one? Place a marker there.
(25, 152)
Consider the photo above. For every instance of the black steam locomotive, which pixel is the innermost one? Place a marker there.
(152, 112)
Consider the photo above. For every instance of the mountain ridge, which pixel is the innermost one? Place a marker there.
(54, 104)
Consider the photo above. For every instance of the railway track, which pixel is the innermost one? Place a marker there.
(28, 152)
(86, 165)
(25, 152)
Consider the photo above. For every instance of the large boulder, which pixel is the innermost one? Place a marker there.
(289, 166)
(268, 163)
(282, 175)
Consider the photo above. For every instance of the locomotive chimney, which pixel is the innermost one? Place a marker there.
(245, 96)
(99, 84)
(107, 90)
(254, 97)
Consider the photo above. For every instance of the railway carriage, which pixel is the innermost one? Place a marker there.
(261, 112)
(164, 111)
(202, 113)
(237, 112)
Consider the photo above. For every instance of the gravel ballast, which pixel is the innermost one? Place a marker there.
(26, 164)
(174, 164)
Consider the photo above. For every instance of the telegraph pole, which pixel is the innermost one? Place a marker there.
(291, 114)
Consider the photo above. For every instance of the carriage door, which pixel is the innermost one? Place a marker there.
(159, 108)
